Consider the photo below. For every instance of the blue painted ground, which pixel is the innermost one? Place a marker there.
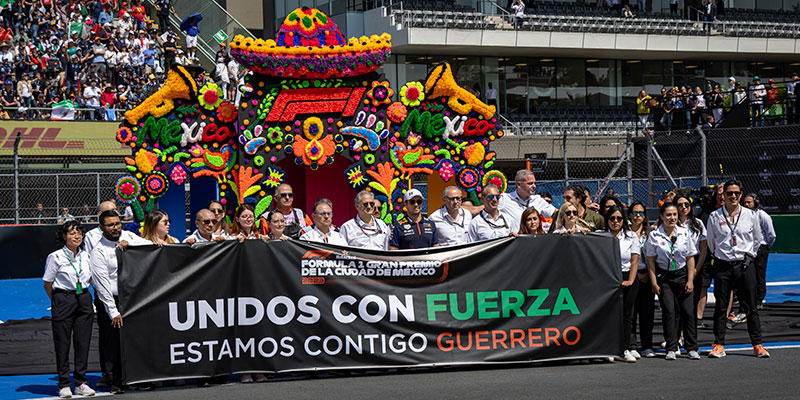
(25, 298)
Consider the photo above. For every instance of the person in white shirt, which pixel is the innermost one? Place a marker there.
(490, 223)
(734, 236)
(452, 221)
(277, 224)
(103, 263)
(233, 74)
(365, 231)
(768, 237)
(221, 72)
(491, 95)
(697, 232)
(513, 204)
(91, 95)
(205, 222)
(519, 11)
(67, 277)
(322, 231)
(757, 94)
(93, 237)
(670, 263)
(65, 216)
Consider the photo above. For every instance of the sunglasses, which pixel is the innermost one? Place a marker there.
(456, 199)
(414, 202)
(207, 221)
(570, 213)
(684, 205)
(286, 195)
(217, 211)
(733, 193)
(615, 219)
(368, 204)
(637, 213)
(166, 221)
(492, 197)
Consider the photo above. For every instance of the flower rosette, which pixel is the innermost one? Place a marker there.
(446, 168)
(210, 96)
(178, 173)
(127, 188)
(474, 153)
(397, 112)
(275, 135)
(380, 93)
(156, 184)
(226, 112)
(125, 135)
(468, 178)
(495, 177)
(412, 94)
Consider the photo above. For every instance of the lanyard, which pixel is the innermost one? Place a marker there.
(366, 228)
(492, 224)
(672, 255)
(455, 221)
(733, 230)
(78, 271)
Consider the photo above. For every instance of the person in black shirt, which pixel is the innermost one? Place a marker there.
(414, 231)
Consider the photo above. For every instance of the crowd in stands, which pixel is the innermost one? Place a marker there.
(99, 55)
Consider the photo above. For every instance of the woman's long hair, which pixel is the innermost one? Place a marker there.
(625, 228)
(692, 221)
(560, 220)
(523, 227)
(151, 221)
(237, 229)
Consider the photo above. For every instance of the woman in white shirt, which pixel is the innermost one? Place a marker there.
(276, 222)
(629, 247)
(697, 231)
(645, 298)
(568, 219)
(67, 278)
(670, 262)
(245, 225)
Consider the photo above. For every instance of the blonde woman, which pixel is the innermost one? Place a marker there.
(156, 228)
(568, 220)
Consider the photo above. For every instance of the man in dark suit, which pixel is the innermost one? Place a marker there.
(710, 10)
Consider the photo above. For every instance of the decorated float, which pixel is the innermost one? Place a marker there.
(313, 111)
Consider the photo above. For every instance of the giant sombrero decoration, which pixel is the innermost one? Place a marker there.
(314, 100)
(309, 45)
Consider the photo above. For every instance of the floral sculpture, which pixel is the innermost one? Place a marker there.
(312, 96)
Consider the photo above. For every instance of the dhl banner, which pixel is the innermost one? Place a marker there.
(61, 138)
(288, 305)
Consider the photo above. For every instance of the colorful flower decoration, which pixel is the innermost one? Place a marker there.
(275, 177)
(495, 177)
(179, 85)
(474, 153)
(146, 160)
(314, 152)
(355, 177)
(413, 139)
(468, 178)
(380, 93)
(156, 184)
(178, 172)
(124, 135)
(275, 135)
(196, 150)
(313, 128)
(412, 94)
(397, 112)
(127, 188)
(446, 168)
(210, 96)
(226, 112)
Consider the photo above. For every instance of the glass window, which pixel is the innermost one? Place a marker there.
(571, 80)
(601, 83)
(390, 71)
(542, 82)
(514, 85)
(632, 81)
(411, 68)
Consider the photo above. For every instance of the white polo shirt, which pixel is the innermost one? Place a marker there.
(660, 245)
(484, 227)
(315, 235)
(696, 237)
(374, 236)
(91, 238)
(722, 228)
(512, 207)
(451, 231)
(63, 267)
(103, 262)
(199, 238)
(629, 245)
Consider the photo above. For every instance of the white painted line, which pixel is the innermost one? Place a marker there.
(74, 396)
(785, 283)
(766, 345)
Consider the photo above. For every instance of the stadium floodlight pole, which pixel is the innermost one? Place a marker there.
(16, 177)
(703, 156)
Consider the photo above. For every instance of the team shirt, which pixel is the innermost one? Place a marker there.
(484, 227)
(313, 234)
(629, 245)
(414, 235)
(670, 256)
(767, 230)
(103, 262)
(451, 231)
(374, 236)
(732, 237)
(65, 268)
(512, 206)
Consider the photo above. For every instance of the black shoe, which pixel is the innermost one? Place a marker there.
(142, 386)
(202, 382)
(116, 390)
(104, 382)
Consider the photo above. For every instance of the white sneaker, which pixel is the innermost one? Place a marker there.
(649, 353)
(628, 357)
(635, 354)
(84, 390)
(65, 392)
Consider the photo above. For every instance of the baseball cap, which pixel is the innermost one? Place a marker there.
(732, 79)
(756, 78)
(411, 194)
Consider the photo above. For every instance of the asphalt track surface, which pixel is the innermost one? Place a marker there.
(739, 376)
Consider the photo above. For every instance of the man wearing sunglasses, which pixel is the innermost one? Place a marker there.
(513, 204)
(734, 236)
(414, 231)
(205, 221)
(490, 223)
(452, 221)
(296, 220)
(322, 231)
(365, 231)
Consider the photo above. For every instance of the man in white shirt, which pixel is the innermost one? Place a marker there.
(365, 231)
(205, 221)
(103, 261)
(757, 94)
(93, 236)
(767, 240)
(490, 223)
(733, 237)
(452, 221)
(91, 95)
(513, 204)
(322, 231)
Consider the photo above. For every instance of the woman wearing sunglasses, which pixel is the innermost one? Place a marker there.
(670, 262)
(156, 228)
(221, 226)
(568, 220)
(697, 231)
(645, 298)
(630, 248)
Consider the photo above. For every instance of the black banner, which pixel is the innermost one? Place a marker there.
(287, 305)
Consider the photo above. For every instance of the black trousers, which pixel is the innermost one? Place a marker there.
(741, 276)
(72, 322)
(761, 272)
(109, 343)
(645, 309)
(628, 305)
(673, 292)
